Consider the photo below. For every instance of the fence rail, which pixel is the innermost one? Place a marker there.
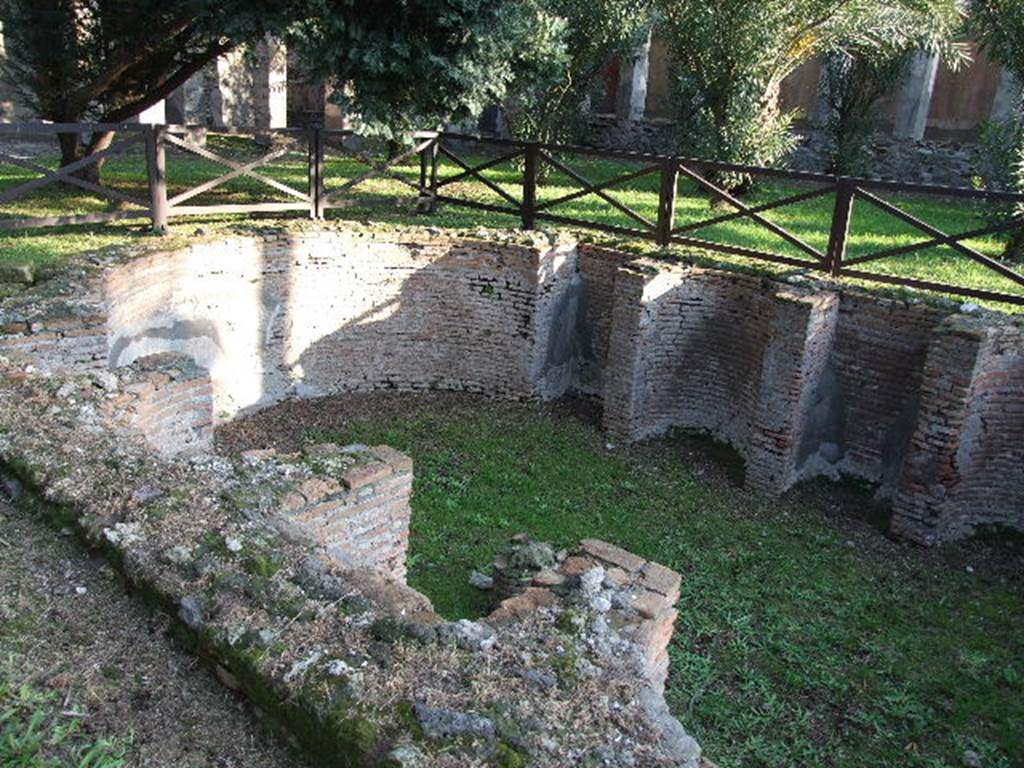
(464, 152)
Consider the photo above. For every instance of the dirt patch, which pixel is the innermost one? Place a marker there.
(67, 625)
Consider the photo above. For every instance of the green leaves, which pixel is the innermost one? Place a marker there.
(567, 43)
(33, 734)
(406, 65)
(732, 58)
(999, 26)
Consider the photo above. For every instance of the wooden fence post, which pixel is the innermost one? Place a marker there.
(530, 168)
(428, 177)
(667, 201)
(316, 173)
(845, 194)
(156, 174)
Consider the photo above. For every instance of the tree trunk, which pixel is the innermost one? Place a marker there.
(73, 149)
(70, 147)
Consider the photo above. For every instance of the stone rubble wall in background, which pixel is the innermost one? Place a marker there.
(951, 164)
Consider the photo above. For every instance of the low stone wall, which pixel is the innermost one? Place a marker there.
(945, 163)
(634, 596)
(350, 661)
(59, 336)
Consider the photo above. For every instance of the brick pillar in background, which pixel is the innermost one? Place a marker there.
(1006, 105)
(251, 95)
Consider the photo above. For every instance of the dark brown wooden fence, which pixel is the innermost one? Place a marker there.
(432, 188)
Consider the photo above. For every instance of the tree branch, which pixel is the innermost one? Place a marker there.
(79, 101)
(168, 86)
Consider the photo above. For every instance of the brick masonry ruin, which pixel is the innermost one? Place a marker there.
(286, 573)
(801, 379)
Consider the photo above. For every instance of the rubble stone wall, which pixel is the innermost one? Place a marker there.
(344, 657)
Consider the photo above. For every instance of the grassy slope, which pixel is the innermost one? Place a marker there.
(793, 647)
(871, 229)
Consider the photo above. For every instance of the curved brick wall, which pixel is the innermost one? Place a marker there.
(802, 380)
(805, 380)
(332, 312)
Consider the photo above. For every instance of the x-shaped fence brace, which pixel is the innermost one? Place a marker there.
(752, 213)
(330, 198)
(246, 170)
(476, 172)
(597, 189)
(431, 146)
(938, 238)
(67, 175)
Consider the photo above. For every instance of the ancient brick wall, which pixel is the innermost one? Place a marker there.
(169, 399)
(357, 509)
(803, 380)
(598, 268)
(809, 381)
(344, 312)
(56, 338)
(876, 364)
(733, 355)
(965, 466)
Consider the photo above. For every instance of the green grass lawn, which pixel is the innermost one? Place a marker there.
(871, 230)
(804, 638)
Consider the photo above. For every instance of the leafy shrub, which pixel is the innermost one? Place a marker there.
(854, 85)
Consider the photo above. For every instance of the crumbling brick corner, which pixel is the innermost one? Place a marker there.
(634, 598)
(351, 502)
(169, 400)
